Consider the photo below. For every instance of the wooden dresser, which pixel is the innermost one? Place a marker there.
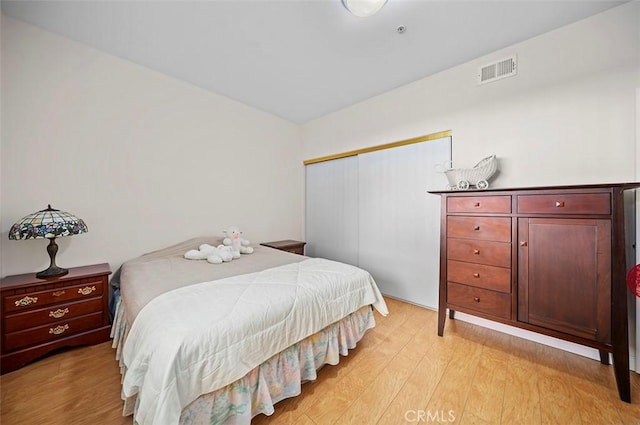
(295, 247)
(546, 259)
(40, 315)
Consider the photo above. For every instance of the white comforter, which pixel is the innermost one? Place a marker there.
(196, 339)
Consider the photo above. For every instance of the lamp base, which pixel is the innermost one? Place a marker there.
(52, 271)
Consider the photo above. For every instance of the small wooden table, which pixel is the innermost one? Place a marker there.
(295, 247)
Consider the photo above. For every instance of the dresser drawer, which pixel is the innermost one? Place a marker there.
(479, 204)
(29, 319)
(485, 228)
(565, 203)
(481, 300)
(479, 275)
(88, 289)
(50, 332)
(480, 252)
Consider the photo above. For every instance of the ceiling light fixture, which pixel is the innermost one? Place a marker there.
(363, 8)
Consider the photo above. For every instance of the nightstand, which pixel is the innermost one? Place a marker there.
(295, 247)
(41, 315)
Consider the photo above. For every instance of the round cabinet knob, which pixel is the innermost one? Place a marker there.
(476, 252)
(476, 299)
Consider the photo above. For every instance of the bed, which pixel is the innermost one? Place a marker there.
(204, 343)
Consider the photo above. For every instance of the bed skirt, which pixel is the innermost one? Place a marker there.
(276, 379)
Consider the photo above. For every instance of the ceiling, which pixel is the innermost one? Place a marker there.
(300, 59)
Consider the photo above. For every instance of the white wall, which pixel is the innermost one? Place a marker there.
(568, 117)
(144, 159)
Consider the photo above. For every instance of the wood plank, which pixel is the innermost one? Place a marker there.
(453, 389)
(558, 402)
(521, 403)
(373, 401)
(80, 386)
(420, 386)
(488, 386)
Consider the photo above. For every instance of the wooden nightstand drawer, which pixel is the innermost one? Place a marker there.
(479, 204)
(565, 203)
(297, 250)
(294, 247)
(480, 275)
(485, 228)
(52, 331)
(481, 300)
(479, 252)
(28, 319)
(85, 288)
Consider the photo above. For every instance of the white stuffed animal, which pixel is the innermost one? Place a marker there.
(213, 254)
(235, 241)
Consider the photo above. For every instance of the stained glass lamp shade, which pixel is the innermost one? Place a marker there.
(50, 224)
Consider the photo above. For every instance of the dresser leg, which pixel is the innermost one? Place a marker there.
(604, 357)
(621, 370)
(442, 315)
(620, 343)
(451, 314)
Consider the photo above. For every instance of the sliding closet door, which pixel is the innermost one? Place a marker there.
(332, 210)
(399, 222)
(373, 211)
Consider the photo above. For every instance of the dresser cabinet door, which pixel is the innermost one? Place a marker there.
(564, 275)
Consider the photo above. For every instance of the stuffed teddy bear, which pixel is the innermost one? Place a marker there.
(213, 254)
(235, 241)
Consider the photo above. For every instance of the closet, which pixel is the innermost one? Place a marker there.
(370, 209)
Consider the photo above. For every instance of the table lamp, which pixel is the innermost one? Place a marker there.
(50, 224)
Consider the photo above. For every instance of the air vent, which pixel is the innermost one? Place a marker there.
(498, 70)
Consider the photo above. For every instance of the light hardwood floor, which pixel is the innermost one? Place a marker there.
(400, 373)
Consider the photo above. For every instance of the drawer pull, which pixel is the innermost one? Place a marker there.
(476, 299)
(58, 313)
(476, 275)
(58, 293)
(523, 243)
(476, 205)
(560, 204)
(86, 290)
(476, 252)
(476, 228)
(23, 302)
(59, 329)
